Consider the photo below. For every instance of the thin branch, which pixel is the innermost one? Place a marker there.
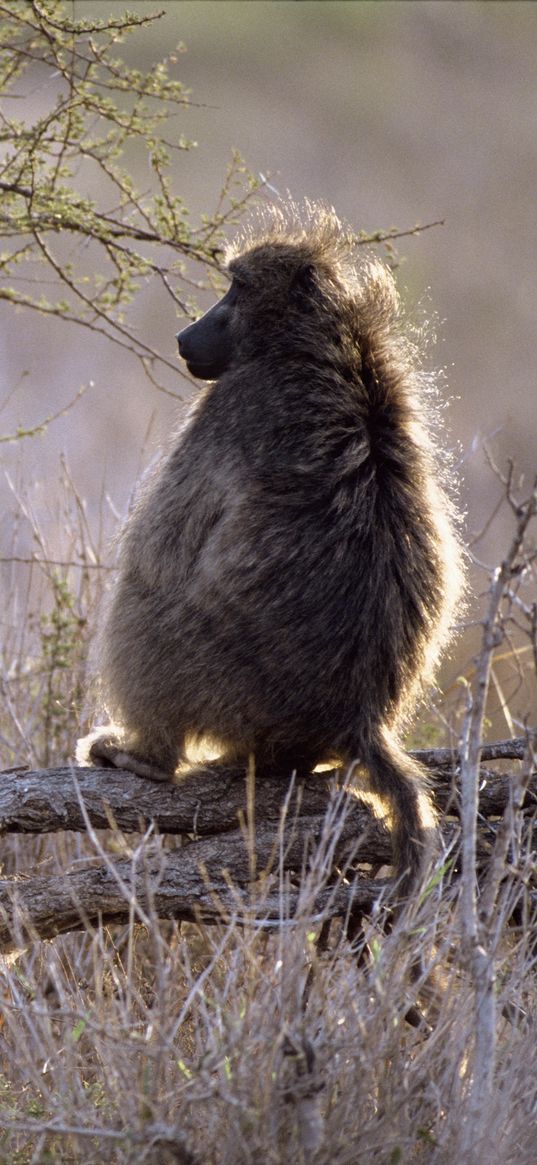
(41, 426)
(385, 236)
(35, 561)
(497, 750)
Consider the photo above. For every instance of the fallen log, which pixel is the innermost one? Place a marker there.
(208, 799)
(212, 877)
(208, 881)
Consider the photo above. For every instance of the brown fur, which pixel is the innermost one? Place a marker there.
(288, 576)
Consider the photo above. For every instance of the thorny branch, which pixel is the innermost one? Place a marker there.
(97, 253)
(94, 108)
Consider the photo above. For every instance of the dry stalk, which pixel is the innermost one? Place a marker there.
(478, 950)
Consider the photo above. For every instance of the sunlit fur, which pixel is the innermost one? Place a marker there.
(289, 575)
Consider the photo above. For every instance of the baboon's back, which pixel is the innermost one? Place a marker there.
(292, 561)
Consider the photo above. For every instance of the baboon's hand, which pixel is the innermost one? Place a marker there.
(107, 751)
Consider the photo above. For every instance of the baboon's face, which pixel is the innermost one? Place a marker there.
(207, 345)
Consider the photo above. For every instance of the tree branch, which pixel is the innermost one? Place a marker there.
(205, 801)
(209, 798)
(210, 877)
(189, 884)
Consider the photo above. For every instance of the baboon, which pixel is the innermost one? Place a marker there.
(288, 576)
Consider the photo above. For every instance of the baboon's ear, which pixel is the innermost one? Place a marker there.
(304, 282)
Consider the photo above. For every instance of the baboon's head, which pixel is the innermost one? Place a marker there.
(283, 284)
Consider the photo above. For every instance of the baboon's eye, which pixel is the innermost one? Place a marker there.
(241, 284)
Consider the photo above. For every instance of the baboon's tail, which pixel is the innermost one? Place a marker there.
(401, 783)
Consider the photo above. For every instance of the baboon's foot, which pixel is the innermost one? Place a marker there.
(105, 750)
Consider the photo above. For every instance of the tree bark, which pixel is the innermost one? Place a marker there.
(208, 799)
(229, 867)
(207, 880)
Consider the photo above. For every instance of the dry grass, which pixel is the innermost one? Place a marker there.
(140, 1044)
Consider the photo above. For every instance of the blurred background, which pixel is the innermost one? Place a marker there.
(397, 113)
